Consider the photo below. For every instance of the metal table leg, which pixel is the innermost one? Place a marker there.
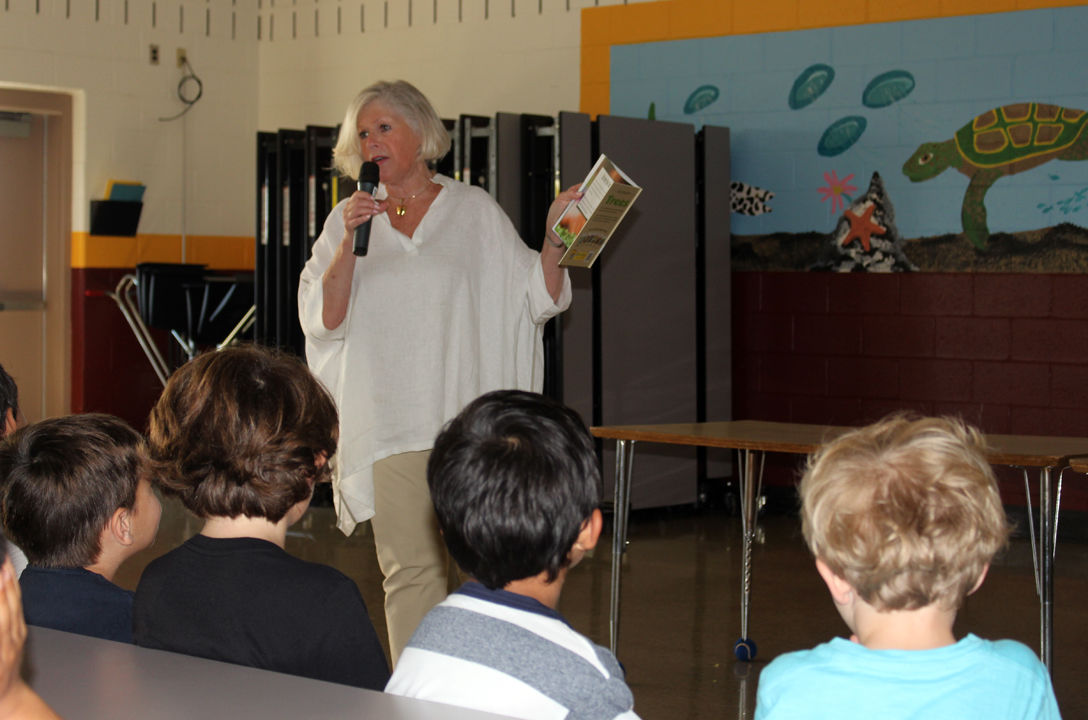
(750, 482)
(1043, 548)
(1046, 570)
(625, 456)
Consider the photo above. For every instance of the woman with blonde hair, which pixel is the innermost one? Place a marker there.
(447, 304)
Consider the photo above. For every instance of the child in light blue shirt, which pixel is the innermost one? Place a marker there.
(904, 517)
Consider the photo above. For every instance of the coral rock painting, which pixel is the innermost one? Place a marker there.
(1003, 141)
(866, 238)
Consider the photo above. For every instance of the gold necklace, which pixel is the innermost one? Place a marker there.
(402, 206)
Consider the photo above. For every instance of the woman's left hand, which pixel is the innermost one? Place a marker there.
(551, 252)
(557, 207)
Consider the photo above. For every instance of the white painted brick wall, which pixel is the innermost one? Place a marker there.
(267, 64)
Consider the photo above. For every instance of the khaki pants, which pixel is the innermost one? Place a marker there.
(411, 553)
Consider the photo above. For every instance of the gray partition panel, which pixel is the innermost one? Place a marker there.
(508, 149)
(648, 333)
(575, 160)
(719, 340)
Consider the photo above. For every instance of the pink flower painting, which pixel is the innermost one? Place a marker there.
(838, 190)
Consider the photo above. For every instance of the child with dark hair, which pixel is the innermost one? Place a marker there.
(240, 436)
(903, 518)
(9, 420)
(515, 486)
(77, 500)
(9, 403)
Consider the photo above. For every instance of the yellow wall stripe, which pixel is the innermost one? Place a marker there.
(218, 252)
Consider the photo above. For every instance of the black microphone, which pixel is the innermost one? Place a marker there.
(368, 182)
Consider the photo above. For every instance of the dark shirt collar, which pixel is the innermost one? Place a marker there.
(510, 599)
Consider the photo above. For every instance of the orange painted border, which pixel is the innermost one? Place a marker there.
(218, 252)
(603, 27)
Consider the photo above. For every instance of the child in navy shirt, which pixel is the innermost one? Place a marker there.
(77, 500)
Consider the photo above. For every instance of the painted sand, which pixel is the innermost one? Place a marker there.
(1059, 249)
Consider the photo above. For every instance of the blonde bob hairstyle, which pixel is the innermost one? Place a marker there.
(906, 510)
(404, 99)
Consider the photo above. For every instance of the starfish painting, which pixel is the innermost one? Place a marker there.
(862, 227)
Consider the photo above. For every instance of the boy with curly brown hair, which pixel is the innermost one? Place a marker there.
(240, 436)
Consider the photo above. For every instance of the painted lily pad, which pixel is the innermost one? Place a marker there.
(841, 135)
(887, 88)
(703, 96)
(810, 84)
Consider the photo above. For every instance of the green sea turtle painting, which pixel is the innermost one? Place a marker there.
(1003, 141)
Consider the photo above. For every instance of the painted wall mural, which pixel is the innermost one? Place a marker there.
(814, 113)
(748, 199)
(701, 98)
(1003, 141)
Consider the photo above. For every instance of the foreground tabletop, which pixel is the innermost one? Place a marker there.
(92, 679)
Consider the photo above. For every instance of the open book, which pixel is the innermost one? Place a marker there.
(587, 224)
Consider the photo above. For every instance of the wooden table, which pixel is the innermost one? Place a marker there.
(95, 679)
(752, 438)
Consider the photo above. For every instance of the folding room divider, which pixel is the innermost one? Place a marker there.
(647, 339)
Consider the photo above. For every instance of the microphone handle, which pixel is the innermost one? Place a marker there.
(361, 243)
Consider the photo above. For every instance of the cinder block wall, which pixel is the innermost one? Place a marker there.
(1006, 352)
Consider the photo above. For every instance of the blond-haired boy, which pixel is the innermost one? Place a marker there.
(904, 517)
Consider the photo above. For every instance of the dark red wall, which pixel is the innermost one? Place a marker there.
(110, 373)
(1008, 352)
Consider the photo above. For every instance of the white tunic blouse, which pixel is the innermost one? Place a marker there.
(433, 321)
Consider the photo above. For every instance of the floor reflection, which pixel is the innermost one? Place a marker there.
(681, 602)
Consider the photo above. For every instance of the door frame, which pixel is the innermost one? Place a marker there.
(59, 106)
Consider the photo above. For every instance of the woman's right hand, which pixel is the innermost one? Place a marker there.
(359, 209)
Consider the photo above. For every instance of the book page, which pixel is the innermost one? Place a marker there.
(595, 191)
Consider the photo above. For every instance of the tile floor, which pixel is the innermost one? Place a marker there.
(681, 602)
